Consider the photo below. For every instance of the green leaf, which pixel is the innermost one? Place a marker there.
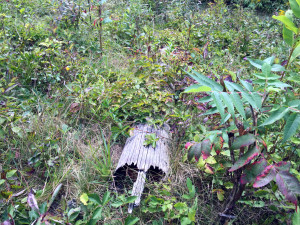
(130, 199)
(97, 214)
(91, 222)
(243, 141)
(2, 181)
(16, 130)
(206, 147)
(131, 220)
(294, 103)
(205, 99)
(2, 120)
(287, 22)
(95, 199)
(276, 115)
(195, 151)
(295, 7)
(189, 184)
(65, 128)
(180, 206)
(55, 192)
(10, 173)
(191, 188)
(259, 63)
(278, 83)
(257, 98)
(73, 214)
(256, 63)
(292, 125)
(266, 69)
(245, 159)
(277, 68)
(269, 60)
(105, 198)
(205, 81)
(247, 85)
(249, 99)
(296, 217)
(191, 153)
(117, 204)
(288, 36)
(233, 86)
(211, 111)
(185, 221)
(295, 54)
(271, 76)
(237, 102)
(196, 88)
(218, 102)
(192, 214)
(224, 120)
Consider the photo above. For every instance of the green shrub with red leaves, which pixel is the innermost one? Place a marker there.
(252, 112)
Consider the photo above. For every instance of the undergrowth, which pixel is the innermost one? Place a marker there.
(76, 75)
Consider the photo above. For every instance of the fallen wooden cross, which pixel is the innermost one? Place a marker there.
(141, 161)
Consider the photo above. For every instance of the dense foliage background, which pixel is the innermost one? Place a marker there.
(75, 75)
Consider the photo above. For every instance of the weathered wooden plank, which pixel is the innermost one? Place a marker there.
(141, 158)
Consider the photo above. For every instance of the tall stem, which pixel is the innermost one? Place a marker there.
(100, 29)
(189, 35)
(288, 62)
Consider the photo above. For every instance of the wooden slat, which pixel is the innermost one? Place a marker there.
(135, 153)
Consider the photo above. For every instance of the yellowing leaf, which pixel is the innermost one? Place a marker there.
(84, 198)
(197, 88)
(287, 22)
(211, 160)
(208, 169)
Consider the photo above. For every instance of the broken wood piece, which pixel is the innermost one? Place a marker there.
(141, 162)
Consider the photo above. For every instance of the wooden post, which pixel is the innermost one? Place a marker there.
(141, 162)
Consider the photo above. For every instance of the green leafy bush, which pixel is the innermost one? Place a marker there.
(242, 105)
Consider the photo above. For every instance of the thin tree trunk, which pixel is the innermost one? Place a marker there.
(100, 29)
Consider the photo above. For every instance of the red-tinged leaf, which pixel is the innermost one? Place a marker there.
(188, 144)
(288, 185)
(264, 143)
(191, 154)
(206, 147)
(243, 141)
(283, 166)
(218, 144)
(253, 170)
(32, 202)
(195, 151)
(245, 159)
(209, 169)
(265, 177)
